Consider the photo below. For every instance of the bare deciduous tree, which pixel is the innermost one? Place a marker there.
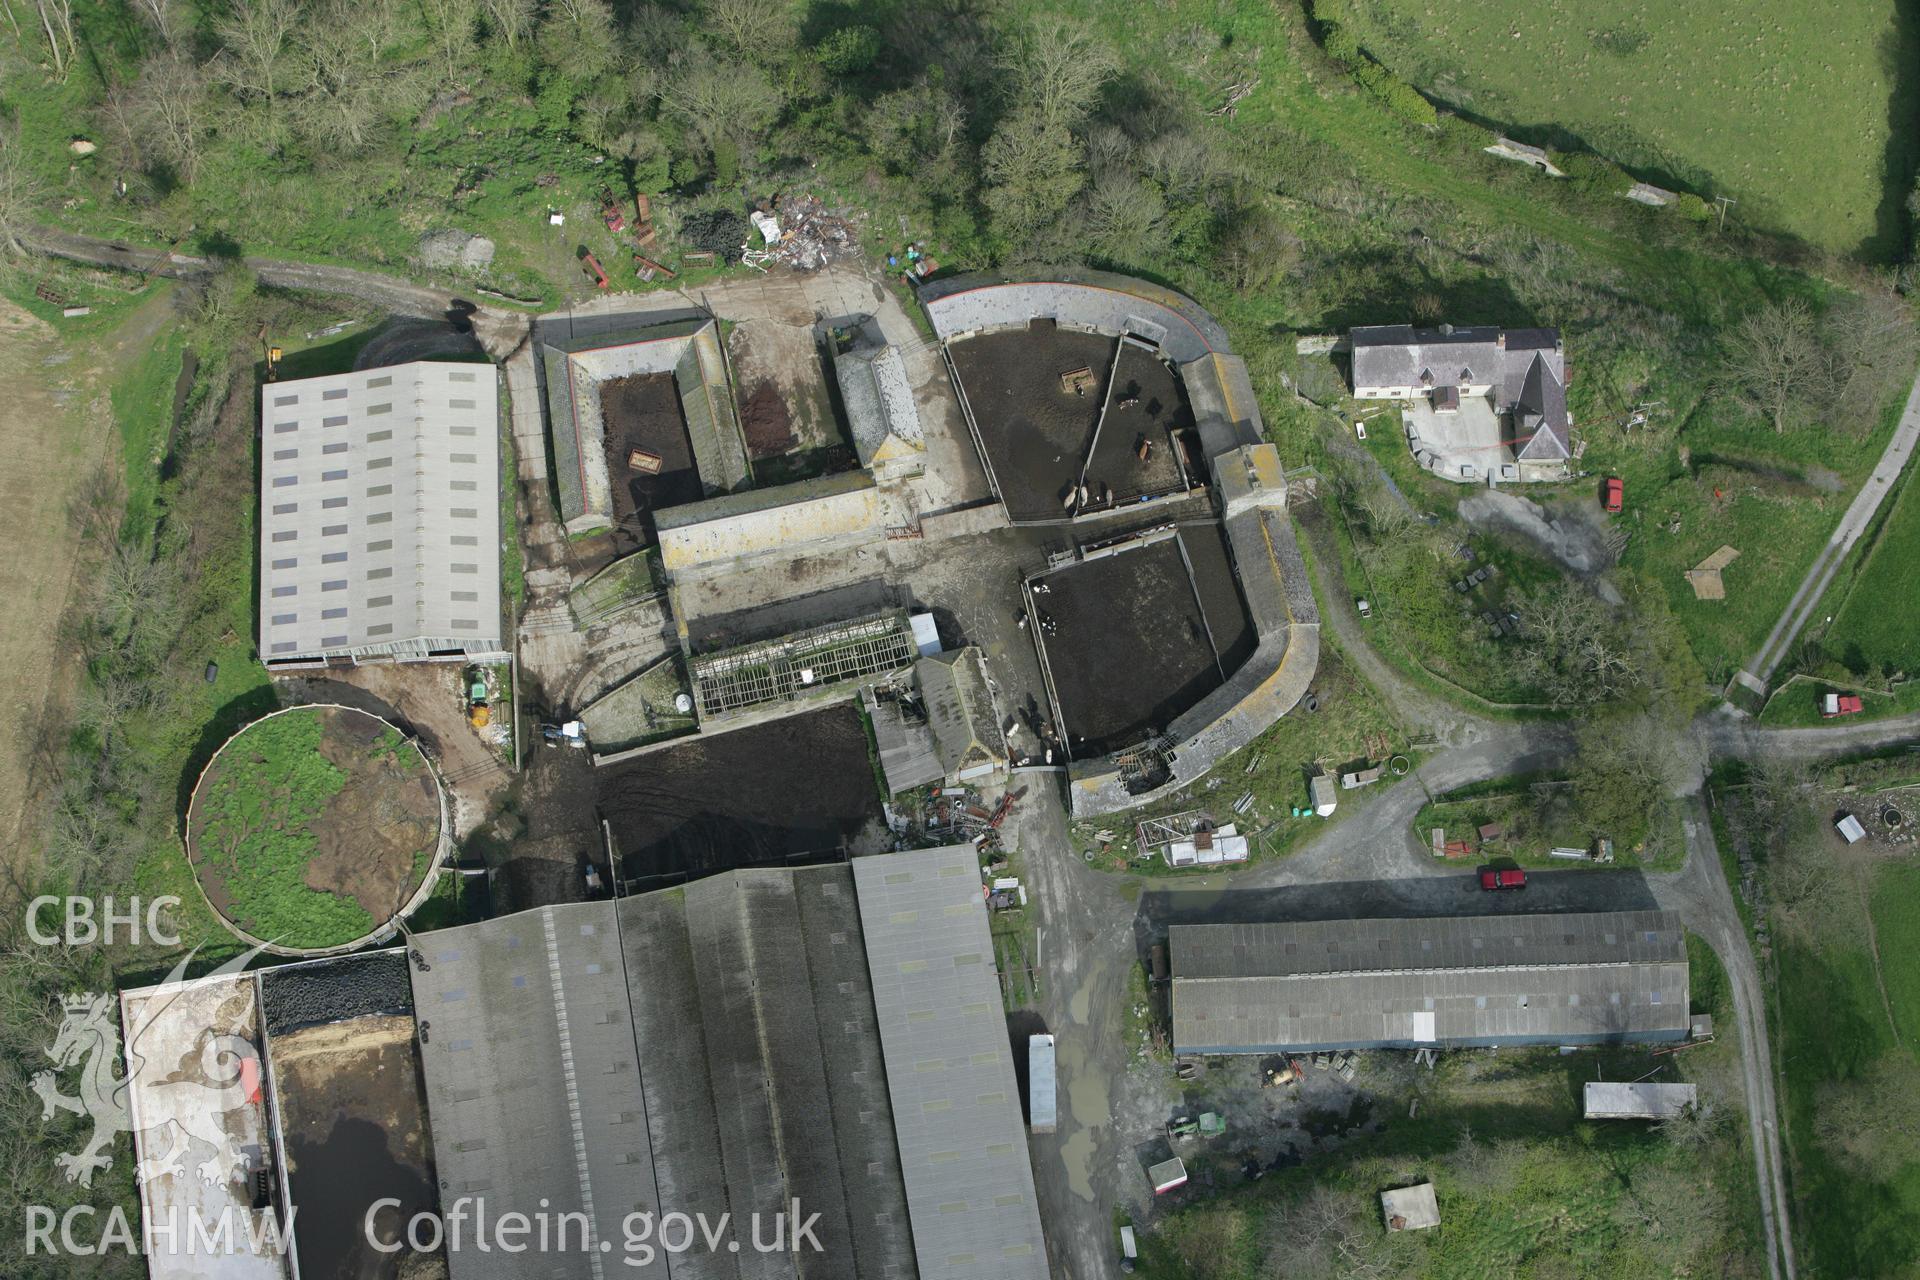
(1774, 362)
(1126, 219)
(1326, 1232)
(347, 89)
(1872, 343)
(1033, 172)
(509, 21)
(1257, 250)
(255, 38)
(1626, 767)
(20, 194)
(1058, 68)
(757, 29)
(166, 111)
(135, 604)
(910, 129)
(1871, 1119)
(719, 100)
(578, 38)
(83, 837)
(451, 25)
(158, 14)
(1695, 1126)
(56, 24)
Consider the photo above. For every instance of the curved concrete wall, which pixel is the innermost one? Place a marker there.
(1086, 300)
(380, 933)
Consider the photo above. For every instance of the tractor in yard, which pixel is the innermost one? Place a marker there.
(478, 710)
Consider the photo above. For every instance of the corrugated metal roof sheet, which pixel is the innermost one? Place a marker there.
(707, 1050)
(380, 512)
(1619, 1100)
(956, 1105)
(1547, 979)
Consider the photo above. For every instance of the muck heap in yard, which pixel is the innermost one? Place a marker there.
(315, 828)
(1178, 622)
(642, 418)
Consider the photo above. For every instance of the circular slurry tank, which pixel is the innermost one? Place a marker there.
(313, 829)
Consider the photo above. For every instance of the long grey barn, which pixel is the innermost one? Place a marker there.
(1588, 978)
(380, 515)
(956, 1102)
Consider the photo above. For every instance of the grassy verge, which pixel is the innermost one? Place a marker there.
(1796, 704)
(513, 568)
(1870, 631)
(1273, 771)
(1016, 940)
(1536, 814)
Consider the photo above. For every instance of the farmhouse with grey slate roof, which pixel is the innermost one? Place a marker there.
(1482, 404)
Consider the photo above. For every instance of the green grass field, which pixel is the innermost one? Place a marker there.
(1848, 1070)
(1756, 503)
(1785, 106)
(1896, 918)
(1869, 631)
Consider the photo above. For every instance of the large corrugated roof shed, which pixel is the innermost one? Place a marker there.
(956, 1106)
(708, 1049)
(1483, 980)
(380, 513)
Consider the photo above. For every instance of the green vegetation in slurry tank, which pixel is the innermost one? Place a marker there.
(313, 826)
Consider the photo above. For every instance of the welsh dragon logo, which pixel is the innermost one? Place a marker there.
(190, 1095)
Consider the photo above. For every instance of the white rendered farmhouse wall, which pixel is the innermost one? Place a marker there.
(380, 515)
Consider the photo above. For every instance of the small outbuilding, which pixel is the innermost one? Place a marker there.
(1410, 1208)
(1850, 829)
(1613, 1100)
(1042, 1108)
(1508, 149)
(885, 423)
(1325, 799)
(1167, 1175)
(1648, 194)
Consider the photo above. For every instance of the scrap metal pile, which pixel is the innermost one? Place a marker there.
(802, 233)
(956, 814)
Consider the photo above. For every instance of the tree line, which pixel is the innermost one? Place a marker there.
(1012, 137)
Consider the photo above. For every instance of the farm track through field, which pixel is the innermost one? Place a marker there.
(1859, 515)
(54, 444)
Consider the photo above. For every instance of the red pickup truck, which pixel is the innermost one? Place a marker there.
(1495, 878)
(1613, 494)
